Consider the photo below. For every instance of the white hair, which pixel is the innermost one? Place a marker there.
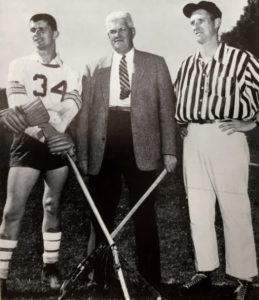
(119, 15)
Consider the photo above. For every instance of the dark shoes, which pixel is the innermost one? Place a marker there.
(96, 290)
(200, 282)
(50, 276)
(243, 289)
(2, 288)
(94, 285)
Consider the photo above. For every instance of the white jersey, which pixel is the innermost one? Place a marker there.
(55, 83)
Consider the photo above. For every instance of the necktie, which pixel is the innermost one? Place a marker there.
(124, 79)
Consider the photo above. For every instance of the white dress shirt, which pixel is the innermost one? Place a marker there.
(115, 79)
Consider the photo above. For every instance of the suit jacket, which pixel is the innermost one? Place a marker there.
(152, 112)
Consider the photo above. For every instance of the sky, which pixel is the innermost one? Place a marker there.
(161, 28)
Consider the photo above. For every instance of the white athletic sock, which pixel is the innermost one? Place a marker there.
(51, 241)
(6, 252)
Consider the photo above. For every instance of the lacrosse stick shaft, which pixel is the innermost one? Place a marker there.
(80, 268)
(102, 225)
(140, 201)
(253, 165)
(90, 200)
(49, 131)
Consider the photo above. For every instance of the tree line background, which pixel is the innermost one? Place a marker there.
(172, 212)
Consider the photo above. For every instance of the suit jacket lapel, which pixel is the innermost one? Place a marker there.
(139, 69)
(105, 74)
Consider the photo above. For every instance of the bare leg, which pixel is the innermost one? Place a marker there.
(51, 227)
(19, 185)
(54, 184)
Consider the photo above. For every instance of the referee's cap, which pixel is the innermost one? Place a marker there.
(206, 5)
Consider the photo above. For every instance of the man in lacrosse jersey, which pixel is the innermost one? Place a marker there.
(43, 77)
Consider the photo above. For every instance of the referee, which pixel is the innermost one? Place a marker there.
(217, 100)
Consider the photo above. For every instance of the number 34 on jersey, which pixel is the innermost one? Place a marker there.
(53, 83)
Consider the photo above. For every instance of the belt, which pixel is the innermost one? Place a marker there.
(119, 108)
(206, 121)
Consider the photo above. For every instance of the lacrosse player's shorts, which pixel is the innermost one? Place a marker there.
(29, 152)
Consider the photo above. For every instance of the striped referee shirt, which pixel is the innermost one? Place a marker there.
(227, 87)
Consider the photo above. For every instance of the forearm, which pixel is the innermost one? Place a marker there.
(17, 100)
(62, 114)
(233, 126)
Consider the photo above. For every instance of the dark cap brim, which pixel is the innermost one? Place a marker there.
(206, 5)
(188, 9)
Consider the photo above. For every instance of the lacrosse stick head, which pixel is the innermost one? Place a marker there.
(83, 269)
(64, 289)
(35, 112)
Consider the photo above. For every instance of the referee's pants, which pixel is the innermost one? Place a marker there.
(216, 167)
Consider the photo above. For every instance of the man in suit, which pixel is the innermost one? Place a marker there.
(126, 127)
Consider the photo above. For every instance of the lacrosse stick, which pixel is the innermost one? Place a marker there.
(102, 225)
(86, 265)
(254, 165)
(49, 131)
(37, 115)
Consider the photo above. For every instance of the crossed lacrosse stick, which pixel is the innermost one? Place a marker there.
(49, 131)
(36, 114)
(103, 227)
(87, 264)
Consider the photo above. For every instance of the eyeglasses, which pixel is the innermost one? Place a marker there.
(119, 30)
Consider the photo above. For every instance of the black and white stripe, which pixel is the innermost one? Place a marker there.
(226, 87)
(14, 87)
(75, 96)
(124, 79)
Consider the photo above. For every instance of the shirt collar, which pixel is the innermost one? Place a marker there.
(55, 61)
(220, 54)
(129, 55)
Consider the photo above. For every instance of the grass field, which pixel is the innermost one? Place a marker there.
(176, 246)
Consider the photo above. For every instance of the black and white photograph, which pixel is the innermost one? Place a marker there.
(129, 155)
